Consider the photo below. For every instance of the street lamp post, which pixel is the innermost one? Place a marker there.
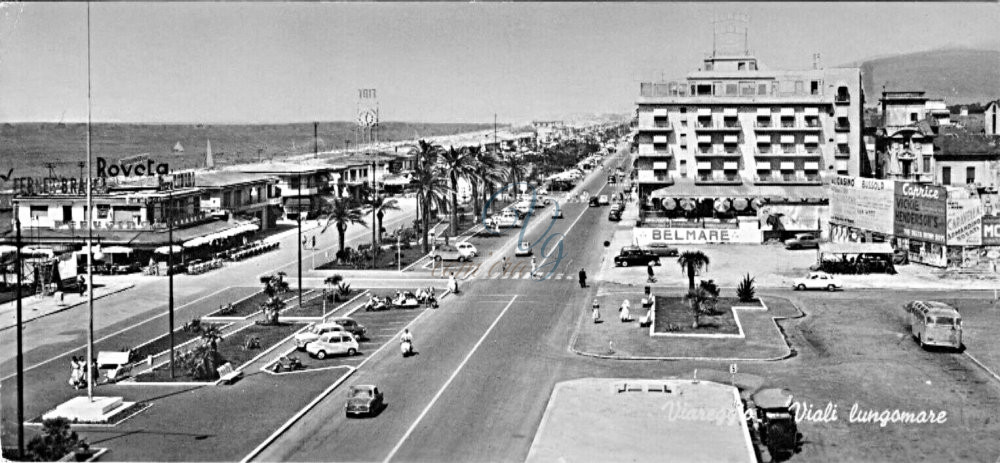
(20, 346)
(300, 243)
(170, 275)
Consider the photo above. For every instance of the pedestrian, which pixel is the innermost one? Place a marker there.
(453, 283)
(596, 314)
(314, 241)
(649, 271)
(504, 266)
(81, 284)
(305, 241)
(623, 312)
(583, 278)
(534, 266)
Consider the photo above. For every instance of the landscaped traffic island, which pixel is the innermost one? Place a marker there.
(676, 315)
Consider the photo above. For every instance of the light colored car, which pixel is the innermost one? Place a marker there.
(339, 343)
(557, 213)
(603, 200)
(467, 248)
(315, 332)
(453, 252)
(818, 280)
(523, 249)
(802, 241)
(505, 219)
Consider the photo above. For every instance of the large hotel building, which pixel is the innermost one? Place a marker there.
(735, 130)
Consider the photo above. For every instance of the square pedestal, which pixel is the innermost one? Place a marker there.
(83, 410)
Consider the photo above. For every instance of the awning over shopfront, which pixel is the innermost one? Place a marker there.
(229, 232)
(763, 112)
(660, 112)
(855, 248)
(686, 188)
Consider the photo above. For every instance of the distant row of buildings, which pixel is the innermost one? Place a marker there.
(767, 153)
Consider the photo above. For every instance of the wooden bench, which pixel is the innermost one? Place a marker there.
(227, 374)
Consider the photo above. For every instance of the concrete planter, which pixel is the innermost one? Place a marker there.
(754, 305)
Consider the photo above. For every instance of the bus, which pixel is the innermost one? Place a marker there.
(935, 324)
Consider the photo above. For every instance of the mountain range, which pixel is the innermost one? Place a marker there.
(957, 75)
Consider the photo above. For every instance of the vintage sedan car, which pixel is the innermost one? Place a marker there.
(615, 215)
(802, 241)
(634, 255)
(662, 250)
(358, 330)
(333, 344)
(594, 202)
(603, 200)
(363, 400)
(818, 280)
(557, 213)
(523, 249)
(304, 338)
(461, 252)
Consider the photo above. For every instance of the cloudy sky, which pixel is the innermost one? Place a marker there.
(432, 62)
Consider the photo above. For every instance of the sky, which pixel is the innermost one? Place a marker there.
(429, 62)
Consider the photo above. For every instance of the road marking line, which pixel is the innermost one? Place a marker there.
(450, 379)
(116, 333)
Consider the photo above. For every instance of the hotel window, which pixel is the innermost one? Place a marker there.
(914, 116)
(946, 175)
(742, 66)
(684, 110)
(814, 87)
(762, 89)
(746, 89)
(732, 89)
(704, 89)
(753, 65)
(970, 175)
(103, 210)
(684, 168)
(684, 141)
(718, 89)
(927, 164)
(38, 212)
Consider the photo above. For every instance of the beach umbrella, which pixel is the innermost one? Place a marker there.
(741, 204)
(166, 249)
(722, 204)
(669, 204)
(757, 203)
(688, 204)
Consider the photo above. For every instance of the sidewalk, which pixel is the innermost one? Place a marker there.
(33, 307)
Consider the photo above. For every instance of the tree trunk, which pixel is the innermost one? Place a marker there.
(381, 215)
(475, 201)
(425, 225)
(454, 204)
(340, 232)
(690, 275)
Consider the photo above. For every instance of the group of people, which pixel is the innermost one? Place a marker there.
(306, 242)
(420, 295)
(624, 312)
(78, 375)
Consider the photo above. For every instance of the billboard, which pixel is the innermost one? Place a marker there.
(965, 222)
(864, 203)
(645, 236)
(991, 230)
(921, 211)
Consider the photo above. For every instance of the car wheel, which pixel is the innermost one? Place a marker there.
(461, 258)
(831, 288)
(624, 263)
(351, 352)
(321, 354)
(800, 287)
(437, 258)
(920, 340)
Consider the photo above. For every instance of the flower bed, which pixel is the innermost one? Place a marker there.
(162, 343)
(245, 307)
(231, 349)
(386, 260)
(674, 315)
(314, 307)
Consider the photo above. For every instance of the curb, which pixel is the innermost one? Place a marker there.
(791, 351)
(70, 306)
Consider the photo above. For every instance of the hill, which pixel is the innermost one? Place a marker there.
(956, 75)
(28, 147)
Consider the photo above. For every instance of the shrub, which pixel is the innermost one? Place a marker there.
(745, 291)
(344, 289)
(56, 441)
(334, 280)
(201, 362)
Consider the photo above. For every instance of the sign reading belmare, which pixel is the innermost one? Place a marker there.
(921, 212)
(864, 203)
(644, 236)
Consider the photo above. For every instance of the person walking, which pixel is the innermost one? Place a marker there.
(624, 314)
(81, 283)
(649, 272)
(314, 241)
(583, 278)
(504, 265)
(534, 266)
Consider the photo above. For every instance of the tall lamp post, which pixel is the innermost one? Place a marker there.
(300, 243)
(170, 273)
(20, 346)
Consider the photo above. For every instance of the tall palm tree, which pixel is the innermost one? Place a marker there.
(692, 262)
(426, 161)
(699, 298)
(342, 216)
(431, 193)
(381, 206)
(515, 171)
(459, 164)
(488, 176)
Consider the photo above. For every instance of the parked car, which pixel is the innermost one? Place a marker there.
(318, 330)
(358, 330)
(802, 241)
(557, 213)
(618, 207)
(662, 250)
(456, 252)
(523, 249)
(604, 200)
(504, 219)
(594, 202)
(612, 179)
(818, 280)
(336, 343)
(634, 255)
(614, 215)
(364, 399)
(775, 421)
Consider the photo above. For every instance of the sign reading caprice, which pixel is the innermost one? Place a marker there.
(106, 169)
(921, 212)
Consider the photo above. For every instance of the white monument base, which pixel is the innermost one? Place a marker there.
(83, 410)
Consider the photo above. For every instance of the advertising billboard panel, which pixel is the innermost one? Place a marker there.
(921, 212)
(864, 203)
(965, 222)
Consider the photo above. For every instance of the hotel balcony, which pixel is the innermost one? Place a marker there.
(658, 176)
(842, 151)
(787, 178)
(787, 125)
(728, 126)
(717, 178)
(842, 98)
(658, 126)
(655, 150)
(778, 153)
(732, 152)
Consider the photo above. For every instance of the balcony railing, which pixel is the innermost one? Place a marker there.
(716, 178)
(842, 99)
(842, 152)
(657, 126)
(732, 152)
(842, 127)
(656, 152)
(787, 126)
(783, 152)
(728, 126)
(787, 178)
(130, 225)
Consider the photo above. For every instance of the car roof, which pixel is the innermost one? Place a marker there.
(338, 319)
(631, 248)
(365, 387)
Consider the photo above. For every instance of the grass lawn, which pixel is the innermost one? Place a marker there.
(314, 307)
(162, 343)
(675, 312)
(245, 307)
(231, 349)
(386, 260)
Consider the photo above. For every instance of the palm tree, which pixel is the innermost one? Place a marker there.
(381, 206)
(431, 191)
(341, 216)
(699, 298)
(692, 262)
(487, 176)
(459, 165)
(515, 171)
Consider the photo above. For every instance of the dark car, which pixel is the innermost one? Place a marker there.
(662, 250)
(634, 255)
(615, 215)
(594, 202)
(363, 400)
(612, 178)
(351, 326)
(802, 241)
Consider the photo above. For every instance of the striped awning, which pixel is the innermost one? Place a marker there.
(812, 139)
(702, 112)
(660, 139)
(763, 139)
(704, 165)
(730, 166)
(812, 165)
(812, 111)
(763, 112)
(765, 165)
(729, 112)
(705, 139)
(659, 165)
(787, 165)
(731, 139)
(660, 112)
(788, 139)
(787, 112)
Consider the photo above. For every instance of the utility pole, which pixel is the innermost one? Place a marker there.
(300, 243)
(90, 233)
(20, 346)
(315, 139)
(170, 273)
(374, 197)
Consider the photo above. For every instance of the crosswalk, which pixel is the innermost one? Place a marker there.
(527, 276)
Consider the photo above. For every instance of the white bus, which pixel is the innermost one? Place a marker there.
(935, 324)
